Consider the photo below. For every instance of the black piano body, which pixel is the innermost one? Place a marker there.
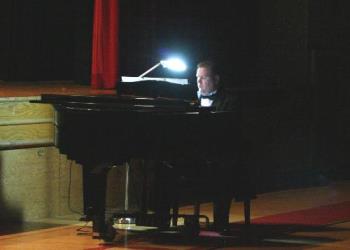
(112, 129)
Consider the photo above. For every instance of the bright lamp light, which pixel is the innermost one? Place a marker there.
(174, 64)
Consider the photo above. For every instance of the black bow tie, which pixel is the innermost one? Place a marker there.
(210, 97)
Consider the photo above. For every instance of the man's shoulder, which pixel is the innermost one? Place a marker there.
(228, 93)
(227, 100)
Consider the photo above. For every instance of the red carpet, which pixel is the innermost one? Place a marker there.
(318, 216)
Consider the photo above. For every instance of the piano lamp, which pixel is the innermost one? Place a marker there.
(174, 64)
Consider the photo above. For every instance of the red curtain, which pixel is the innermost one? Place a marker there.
(105, 47)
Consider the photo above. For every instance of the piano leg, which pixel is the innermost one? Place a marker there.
(221, 206)
(94, 185)
(165, 193)
(247, 211)
(88, 199)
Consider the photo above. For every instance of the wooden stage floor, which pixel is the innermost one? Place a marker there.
(331, 236)
(26, 89)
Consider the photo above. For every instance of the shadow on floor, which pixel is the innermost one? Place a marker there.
(241, 235)
(21, 227)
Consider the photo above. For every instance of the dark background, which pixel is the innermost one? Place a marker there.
(45, 40)
(299, 46)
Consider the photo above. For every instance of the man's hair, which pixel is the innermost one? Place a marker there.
(209, 65)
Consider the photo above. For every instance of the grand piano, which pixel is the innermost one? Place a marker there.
(145, 120)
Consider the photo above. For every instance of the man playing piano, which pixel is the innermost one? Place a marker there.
(211, 94)
(218, 179)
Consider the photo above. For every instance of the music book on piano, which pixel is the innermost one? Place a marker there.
(181, 81)
(157, 87)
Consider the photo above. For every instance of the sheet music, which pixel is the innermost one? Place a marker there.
(180, 81)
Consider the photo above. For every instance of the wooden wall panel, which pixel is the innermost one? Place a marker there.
(36, 181)
(26, 135)
(25, 124)
(13, 113)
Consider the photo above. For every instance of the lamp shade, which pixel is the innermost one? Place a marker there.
(175, 64)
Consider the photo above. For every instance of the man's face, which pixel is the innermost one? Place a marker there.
(206, 81)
